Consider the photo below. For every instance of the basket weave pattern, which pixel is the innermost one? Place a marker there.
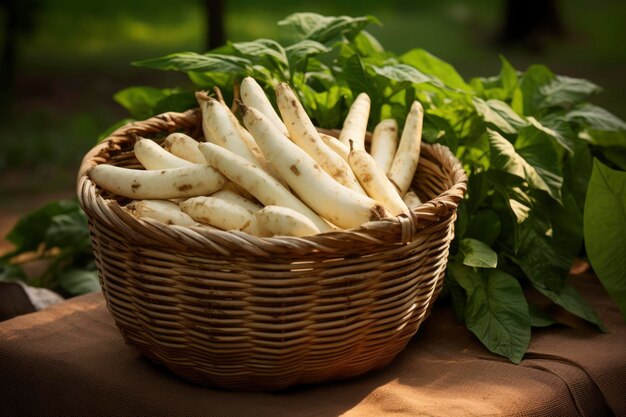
(236, 311)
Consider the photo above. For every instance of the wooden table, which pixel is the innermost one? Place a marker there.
(69, 360)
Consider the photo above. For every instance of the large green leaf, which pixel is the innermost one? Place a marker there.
(535, 127)
(497, 313)
(535, 163)
(528, 97)
(300, 51)
(367, 45)
(566, 91)
(603, 128)
(508, 77)
(79, 281)
(263, 50)
(141, 101)
(401, 73)
(192, 61)
(605, 229)
(547, 270)
(68, 230)
(477, 254)
(429, 64)
(485, 226)
(32, 229)
(497, 113)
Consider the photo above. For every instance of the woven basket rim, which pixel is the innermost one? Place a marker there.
(401, 229)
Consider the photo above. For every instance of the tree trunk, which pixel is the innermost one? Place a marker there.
(216, 34)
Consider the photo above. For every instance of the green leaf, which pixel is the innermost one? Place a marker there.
(596, 118)
(538, 317)
(178, 102)
(300, 51)
(508, 77)
(477, 254)
(529, 98)
(485, 226)
(547, 270)
(262, 49)
(208, 80)
(535, 127)
(367, 45)
(68, 230)
(32, 228)
(401, 73)
(79, 281)
(10, 272)
(324, 29)
(497, 313)
(519, 202)
(603, 127)
(531, 164)
(325, 108)
(355, 76)
(192, 61)
(429, 64)
(141, 101)
(113, 128)
(497, 113)
(605, 229)
(566, 91)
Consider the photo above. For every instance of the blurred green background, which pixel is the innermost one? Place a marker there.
(77, 54)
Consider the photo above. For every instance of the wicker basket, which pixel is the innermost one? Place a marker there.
(232, 310)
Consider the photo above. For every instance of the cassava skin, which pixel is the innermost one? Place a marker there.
(336, 203)
(162, 210)
(221, 214)
(405, 162)
(252, 95)
(375, 182)
(283, 221)
(303, 133)
(355, 125)
(385, 143)
(152, 156)
(184, 147)
(162, 184)
(257, 182)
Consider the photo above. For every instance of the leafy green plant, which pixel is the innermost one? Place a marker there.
(526, 139)
(56, 234)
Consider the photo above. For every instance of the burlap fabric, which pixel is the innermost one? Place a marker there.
(70, 360)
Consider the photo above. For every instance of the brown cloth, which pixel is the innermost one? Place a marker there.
(69, 360)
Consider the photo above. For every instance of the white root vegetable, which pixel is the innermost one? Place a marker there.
(184, 147)
(405, 162)
(411, 199)
(375, 182)
(162, 210)
(252, 95)
(303, 133)
(152, 156)
(163, 184)
(221, 214)
(218, 125)
(384, 143)
(355, 124)
(283, 221)
(237, 199)
(257, 182)
(336, 145)
(334, 202)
